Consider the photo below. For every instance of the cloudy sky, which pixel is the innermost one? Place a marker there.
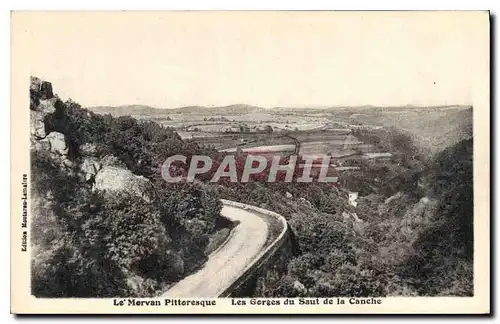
(169, 60)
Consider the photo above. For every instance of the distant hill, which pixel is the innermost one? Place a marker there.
(242, 109)
(370, 108)
(197, 110)
(224, 110)
(127, 110)
(434, 129)
(443, 132)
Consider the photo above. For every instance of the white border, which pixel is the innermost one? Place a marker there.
(8, 5)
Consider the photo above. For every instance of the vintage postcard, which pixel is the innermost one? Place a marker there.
(250, 162)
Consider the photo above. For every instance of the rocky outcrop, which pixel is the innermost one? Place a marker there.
(37, 117)
(113, 179)
(37, 126)
(56, 143)
(70, 180)
(42, 103)
(107, 174)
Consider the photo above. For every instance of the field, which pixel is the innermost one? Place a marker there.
(313, 131)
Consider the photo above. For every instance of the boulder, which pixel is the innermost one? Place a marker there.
(113, 179)
(288, 195)
(298, 286)
(57, 143)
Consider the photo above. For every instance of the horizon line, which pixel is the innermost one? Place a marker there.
(279, 107)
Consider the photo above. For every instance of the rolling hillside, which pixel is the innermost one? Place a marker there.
(433, 129)
(151, 111)
(126, 110)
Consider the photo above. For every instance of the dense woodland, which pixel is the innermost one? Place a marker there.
(415, 237)
(93, 244)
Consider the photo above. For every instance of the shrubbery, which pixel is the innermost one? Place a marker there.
(443, 260)
(414, 240)
(96, 244)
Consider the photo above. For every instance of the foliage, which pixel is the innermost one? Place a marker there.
(101, 244)
(444, 251)
(413, 240)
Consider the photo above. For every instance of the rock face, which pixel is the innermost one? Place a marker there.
(57, 143)
(42, 103)
(113, 179)
(107, 174)
(37, 126)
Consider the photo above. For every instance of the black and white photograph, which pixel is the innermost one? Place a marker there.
(265, 159)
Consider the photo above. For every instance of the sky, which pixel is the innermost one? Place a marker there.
(267, 59)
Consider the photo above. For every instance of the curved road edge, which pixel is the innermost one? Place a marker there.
(215, 279)
(267, 252)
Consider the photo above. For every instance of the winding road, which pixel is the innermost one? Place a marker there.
(226, 264)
